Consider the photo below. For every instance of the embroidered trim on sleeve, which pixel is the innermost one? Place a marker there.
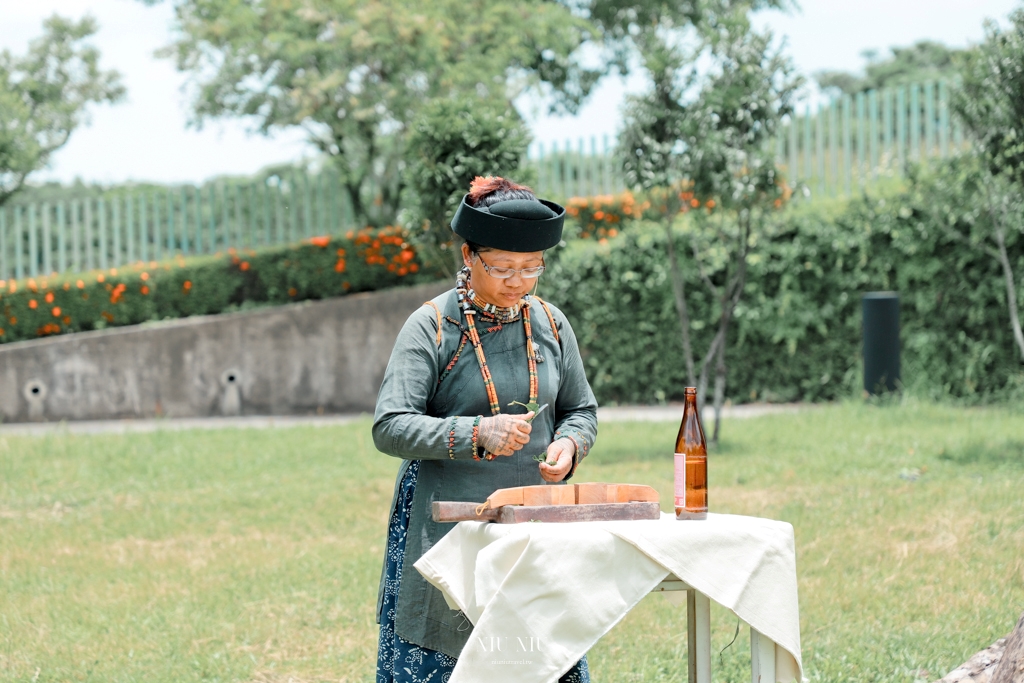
(451, 437)
(581, 441)
(476, 436)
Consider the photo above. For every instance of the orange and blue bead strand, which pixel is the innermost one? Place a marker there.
(531, 353)
(467, 298)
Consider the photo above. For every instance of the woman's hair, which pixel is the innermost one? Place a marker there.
(493, 189)
(484, 192)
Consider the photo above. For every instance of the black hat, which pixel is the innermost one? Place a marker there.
(514, 225)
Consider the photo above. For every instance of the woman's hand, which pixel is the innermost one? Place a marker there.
(560, 456)
(504, 434)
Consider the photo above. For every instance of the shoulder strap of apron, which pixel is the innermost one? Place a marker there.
(551, 318)
(437, 312)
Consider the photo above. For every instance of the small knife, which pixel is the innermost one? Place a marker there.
(539, 411)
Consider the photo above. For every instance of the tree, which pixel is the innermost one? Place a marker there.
(990, 103)
(925, 60)
(44, 96)
(650, 144)
(663, 38)
(720, 162)
(450, 143)
(632, 30)
(354, 73)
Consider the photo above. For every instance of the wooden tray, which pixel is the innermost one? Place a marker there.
(572, 494)
(452, 511)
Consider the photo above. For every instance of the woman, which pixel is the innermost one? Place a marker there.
(453, 407)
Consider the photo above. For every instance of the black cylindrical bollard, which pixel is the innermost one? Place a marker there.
(881, 312)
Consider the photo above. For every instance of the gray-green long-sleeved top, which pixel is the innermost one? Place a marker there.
(418, 399)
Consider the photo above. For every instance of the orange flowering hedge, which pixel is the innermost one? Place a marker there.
(603, 216)
(318, 268)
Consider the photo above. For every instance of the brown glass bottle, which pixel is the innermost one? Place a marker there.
(691, 490)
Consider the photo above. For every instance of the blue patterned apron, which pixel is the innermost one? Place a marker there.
(398, 660)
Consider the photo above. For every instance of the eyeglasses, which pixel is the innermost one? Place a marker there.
(506, 273)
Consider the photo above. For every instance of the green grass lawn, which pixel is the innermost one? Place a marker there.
(254, 554)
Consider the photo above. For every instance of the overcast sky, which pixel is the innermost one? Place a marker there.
(147, 137)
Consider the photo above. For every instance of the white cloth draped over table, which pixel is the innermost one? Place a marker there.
(541, 595)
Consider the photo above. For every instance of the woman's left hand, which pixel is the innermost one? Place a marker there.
(560, 456)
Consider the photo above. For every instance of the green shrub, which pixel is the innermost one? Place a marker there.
(451, 142)
(797, 334)
(315, 269)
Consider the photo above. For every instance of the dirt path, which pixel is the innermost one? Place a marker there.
(666, 413)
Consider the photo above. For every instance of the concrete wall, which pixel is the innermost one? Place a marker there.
(313, 357)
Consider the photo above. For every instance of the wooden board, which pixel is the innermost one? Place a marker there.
(614, 493)
(596, 512)
(572, 494)
(454, 511)
(451, 511)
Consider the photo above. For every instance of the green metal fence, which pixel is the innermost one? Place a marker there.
(576, 169)
(853, 140)
(126, 226)
(841, 145)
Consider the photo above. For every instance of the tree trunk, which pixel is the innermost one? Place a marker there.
(719, 392)
(679, 293)
(6, 194)
(1000, 255)
(1011, 666)
(730, 297)
(705, 365)
(717, 350)
(350, 186)
(1011, 291)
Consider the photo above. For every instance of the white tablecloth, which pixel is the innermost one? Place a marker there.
(541, 595)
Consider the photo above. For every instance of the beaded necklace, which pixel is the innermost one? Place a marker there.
(502, 315)
(469, 301)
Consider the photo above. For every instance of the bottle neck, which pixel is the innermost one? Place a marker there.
(691, 433)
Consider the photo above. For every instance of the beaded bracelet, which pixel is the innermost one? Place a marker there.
(574, 443)
(581, 444)
(451, 438)
(476, 435)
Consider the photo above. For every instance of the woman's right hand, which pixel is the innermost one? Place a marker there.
(504, 434)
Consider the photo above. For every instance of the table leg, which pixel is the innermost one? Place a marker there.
(698, 633)
(762, 658)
